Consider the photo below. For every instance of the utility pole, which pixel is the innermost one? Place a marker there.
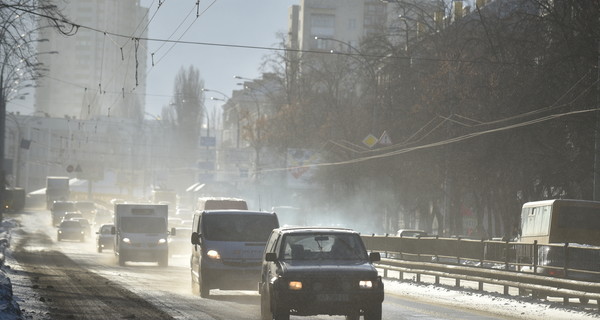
(2, 133)
(596, 195)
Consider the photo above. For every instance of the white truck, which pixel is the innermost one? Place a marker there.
(57, 189)
(141, 233)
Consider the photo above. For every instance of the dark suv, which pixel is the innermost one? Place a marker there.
(310, 271)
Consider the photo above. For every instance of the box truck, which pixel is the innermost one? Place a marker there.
(141, 233)
(57, 189)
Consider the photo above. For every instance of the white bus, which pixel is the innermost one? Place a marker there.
(568, 235)
(561, 221)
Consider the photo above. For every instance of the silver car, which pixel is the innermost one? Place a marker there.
(104, 237)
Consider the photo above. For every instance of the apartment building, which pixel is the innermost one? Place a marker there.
(314, 23)
(96, 69)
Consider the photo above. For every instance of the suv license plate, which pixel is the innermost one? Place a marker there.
(333, 297)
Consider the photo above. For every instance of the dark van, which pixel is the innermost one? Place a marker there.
(227, 248)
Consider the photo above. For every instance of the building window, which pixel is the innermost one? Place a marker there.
(322, 24)
(352, 24)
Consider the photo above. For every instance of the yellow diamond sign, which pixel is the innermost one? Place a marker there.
(370, 140)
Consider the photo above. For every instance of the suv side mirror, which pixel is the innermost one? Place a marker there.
(270, 256)
(374, 256)
(195, 238)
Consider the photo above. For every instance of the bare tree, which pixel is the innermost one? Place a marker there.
(19, 66)
(185, 115)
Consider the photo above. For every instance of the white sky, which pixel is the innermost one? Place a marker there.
(233, 22)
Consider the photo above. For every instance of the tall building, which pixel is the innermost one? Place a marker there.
(93, 70)
(314, 22)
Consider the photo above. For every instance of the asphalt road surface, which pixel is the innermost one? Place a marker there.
(70, 280)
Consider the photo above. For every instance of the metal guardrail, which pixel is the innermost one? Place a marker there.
(495, 262)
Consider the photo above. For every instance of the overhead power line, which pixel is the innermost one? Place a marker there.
(76, 27)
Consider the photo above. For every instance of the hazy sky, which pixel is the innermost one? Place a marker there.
(235, 22)
(231, 22)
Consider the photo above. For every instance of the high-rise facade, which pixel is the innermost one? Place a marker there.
(314, 22)
(100, 69)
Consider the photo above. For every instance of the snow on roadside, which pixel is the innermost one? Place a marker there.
(513, 307)
(9, 308)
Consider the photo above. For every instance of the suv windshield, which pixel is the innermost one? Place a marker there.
(319, 246)
(238, 227)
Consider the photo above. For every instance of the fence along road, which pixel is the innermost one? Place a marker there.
(488, 262)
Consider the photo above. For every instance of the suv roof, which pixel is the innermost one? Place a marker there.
(315, 229)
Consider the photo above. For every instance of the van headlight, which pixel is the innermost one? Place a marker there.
(213, 254)
(365, 284)
(295, 285)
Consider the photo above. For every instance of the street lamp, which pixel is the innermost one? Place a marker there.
(217, 91)
(225, 99)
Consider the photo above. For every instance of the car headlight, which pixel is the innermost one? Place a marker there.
(213, 254)
(162, 241)
(295, 285)
(365, 284)
(126, 240)
(59, 231)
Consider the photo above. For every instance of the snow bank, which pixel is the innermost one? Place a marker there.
(513, 307)
(9, 308)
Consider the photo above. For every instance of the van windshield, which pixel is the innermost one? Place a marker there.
(143, 225)
(238, 227)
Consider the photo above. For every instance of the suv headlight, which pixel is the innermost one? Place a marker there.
(365, 284)
(213, 254)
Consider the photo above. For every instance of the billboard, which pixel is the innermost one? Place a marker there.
(300, 167)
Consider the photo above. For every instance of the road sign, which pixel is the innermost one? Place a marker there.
(208, 141)
(385, 139)
(370, 141)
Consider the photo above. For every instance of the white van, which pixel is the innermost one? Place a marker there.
(227, 248)
(220, 203)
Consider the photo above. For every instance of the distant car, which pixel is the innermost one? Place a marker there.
(59, 209)
(310, 271)
(87, 208)
(85, 224)
(70, 230)
(104, 237)
(411, 233)
(72, 215)
(180, 242)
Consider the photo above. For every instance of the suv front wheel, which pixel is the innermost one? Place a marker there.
(373, 312)
(203, 285)
(265, 305)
